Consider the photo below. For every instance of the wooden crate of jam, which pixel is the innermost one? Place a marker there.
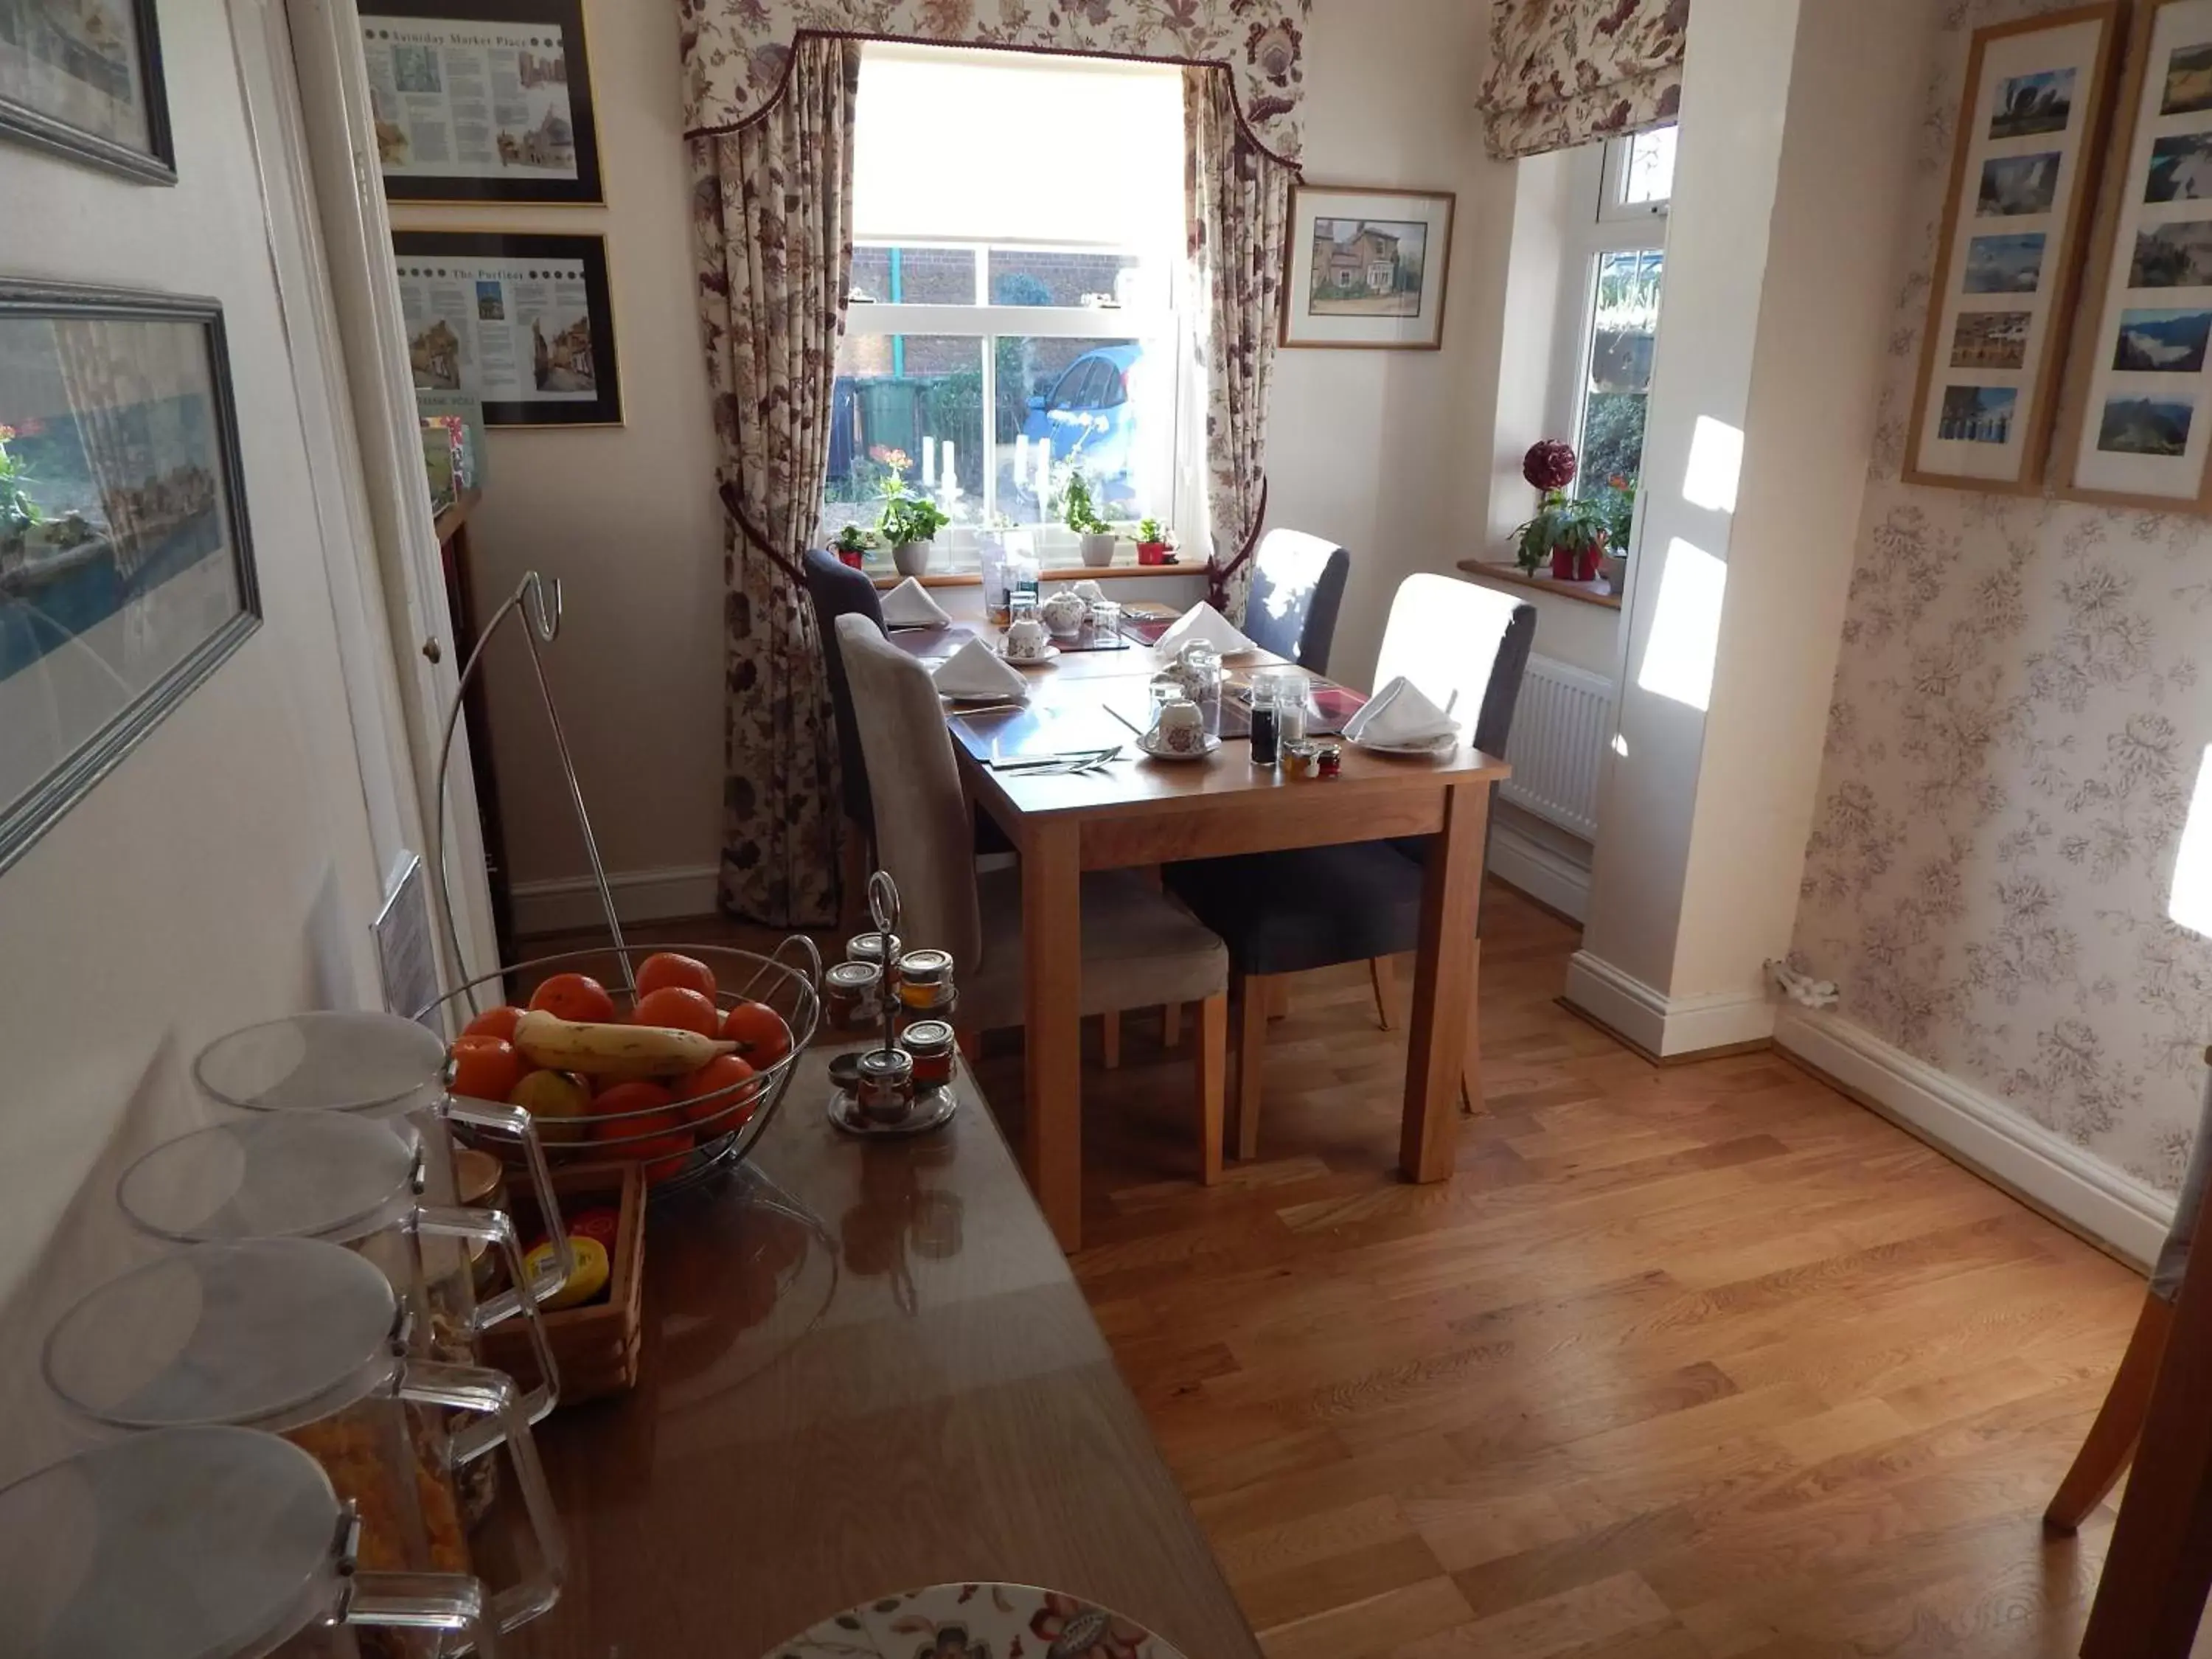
(597, 1346)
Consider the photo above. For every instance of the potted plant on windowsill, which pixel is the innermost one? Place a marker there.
(1616, 506)
(1079, 511)
(1155, 546)
(852, 543)
(909, 523)
(1569, 531)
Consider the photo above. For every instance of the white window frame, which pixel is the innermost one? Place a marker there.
(1613, 205)
(1609, 227)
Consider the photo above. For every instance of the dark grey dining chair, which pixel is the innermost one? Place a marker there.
(1297, 587)
(836, 589)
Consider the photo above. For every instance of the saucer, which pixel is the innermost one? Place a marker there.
(1050, 651)
(1145, 743)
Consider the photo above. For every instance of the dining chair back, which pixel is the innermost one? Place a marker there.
(1297, 587)
(925, 835)
(1463, 645)
(836, 589)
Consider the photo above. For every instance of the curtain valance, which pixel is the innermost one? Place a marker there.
(1564, 72)
(737, 53)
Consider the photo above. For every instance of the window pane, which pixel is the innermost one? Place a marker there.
(1066, 277)
(915, 275)
(1649, 176)
(1625, 325)
(1107, 406)
(898, 400)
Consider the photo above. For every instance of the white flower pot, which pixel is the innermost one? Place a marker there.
(913, 558)
(1098, 551)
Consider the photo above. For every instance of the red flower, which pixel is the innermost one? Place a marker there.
(1549, 465)
(1076, 1630)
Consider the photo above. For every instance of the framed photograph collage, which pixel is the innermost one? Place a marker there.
(2015, 225)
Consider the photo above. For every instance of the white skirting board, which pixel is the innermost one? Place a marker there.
(1548, 876)
(1663, 1025)
(572, 903)
(2129, 1218)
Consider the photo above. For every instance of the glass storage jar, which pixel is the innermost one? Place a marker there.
(884, 1091)
(208, 1543)
(930, 1044)
(852, 996)
(925, 982)
(304, 1338)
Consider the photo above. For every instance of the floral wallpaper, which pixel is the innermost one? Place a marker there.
(2018, 721)
(735, 52)
(1564, 72)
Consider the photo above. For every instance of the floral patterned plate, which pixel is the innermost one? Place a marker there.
(976, 1621)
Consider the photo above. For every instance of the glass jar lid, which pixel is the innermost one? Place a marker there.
(879, 948)
(326, 1062)
(928, 1036)
(285, 1175)
(886, 1068)
(926, 966)
(853, 977)
(268, 1334)
(202, 1543)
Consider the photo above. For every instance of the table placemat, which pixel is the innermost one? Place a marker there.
(931, 645)
(1039, 727)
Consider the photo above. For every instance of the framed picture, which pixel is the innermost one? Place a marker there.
(126, 574)
(2140, 424)
(482, 101)
(2024, 174)
(523, 322)
(83, 78)
(1367, 267)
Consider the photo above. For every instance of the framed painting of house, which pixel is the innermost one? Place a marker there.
(482, 101)
(1367, 267)
(524, 322)
(2025, 170)
(2139, 420)
(83, 78)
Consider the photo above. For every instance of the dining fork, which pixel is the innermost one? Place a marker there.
(1081, 760)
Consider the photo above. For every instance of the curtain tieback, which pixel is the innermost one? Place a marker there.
(746, 527)
(1217, 575)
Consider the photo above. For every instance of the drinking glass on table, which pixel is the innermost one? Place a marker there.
(1105, 620)
(1278, 714)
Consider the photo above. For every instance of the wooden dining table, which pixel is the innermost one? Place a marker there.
(1136, 812)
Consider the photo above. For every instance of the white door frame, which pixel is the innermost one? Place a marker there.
(331, 244)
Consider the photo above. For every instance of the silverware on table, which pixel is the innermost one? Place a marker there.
(1079, 760)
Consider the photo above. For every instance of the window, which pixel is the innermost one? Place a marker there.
(1014, 301)
(1613, 266)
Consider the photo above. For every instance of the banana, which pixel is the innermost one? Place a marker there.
(613, 1051)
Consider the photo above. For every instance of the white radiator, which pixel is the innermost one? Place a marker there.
(1560, 728)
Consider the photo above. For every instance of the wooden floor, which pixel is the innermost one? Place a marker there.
(1687, 1363)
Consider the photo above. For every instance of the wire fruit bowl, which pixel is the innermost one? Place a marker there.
(720, 1127)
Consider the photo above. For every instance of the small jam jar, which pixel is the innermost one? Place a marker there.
(930, 1043)
(884, 1091)
(1301, 759)
(882, 949)
(925, 981)
(1328, 759)
(851, 993)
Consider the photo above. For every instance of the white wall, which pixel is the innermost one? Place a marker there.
(222, 874)
(1382, 451)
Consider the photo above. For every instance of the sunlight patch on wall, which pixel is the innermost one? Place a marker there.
(2191, 902)
(1685, 629)
(1716, 465)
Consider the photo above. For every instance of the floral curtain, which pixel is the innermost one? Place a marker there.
(1238, 198)
(773, 234)
(1564, 72)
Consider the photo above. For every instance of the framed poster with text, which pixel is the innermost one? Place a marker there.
(2140, 426)
(522, 321)
(482, 101)
(2024, 173)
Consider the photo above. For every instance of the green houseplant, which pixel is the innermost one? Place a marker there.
(852, 543)
(18, 512)
(1154, 544)
(1569, 530)
(1079, 511)
(909, 522)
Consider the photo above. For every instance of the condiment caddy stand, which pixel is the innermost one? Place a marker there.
(878, 1091)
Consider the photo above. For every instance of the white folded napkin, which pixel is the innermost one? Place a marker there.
(1203, 622)
(975, 670)
(1400, 717)
(909, 605)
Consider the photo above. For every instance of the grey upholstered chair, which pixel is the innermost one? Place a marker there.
(1286, 913)
(838, 589)
(1297, 587)
(1139, 947)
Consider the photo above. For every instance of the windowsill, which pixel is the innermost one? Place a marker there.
(1072, 573)
(1510, 575)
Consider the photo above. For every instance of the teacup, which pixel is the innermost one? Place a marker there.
(1181, 729)
(1027, 640)
(1064, 612)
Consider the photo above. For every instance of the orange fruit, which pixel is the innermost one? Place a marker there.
(575, 996)
(700, 1093)
(759, 1032)
(680, 1008)
(495, 1022)
(666, 968)
(661, 1142)
(618, 1097)
(486, 1067)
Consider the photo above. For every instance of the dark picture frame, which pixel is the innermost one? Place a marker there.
(48, 128)
(456, 256)
(1387, 301)
(565, 17)
(159, 475)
